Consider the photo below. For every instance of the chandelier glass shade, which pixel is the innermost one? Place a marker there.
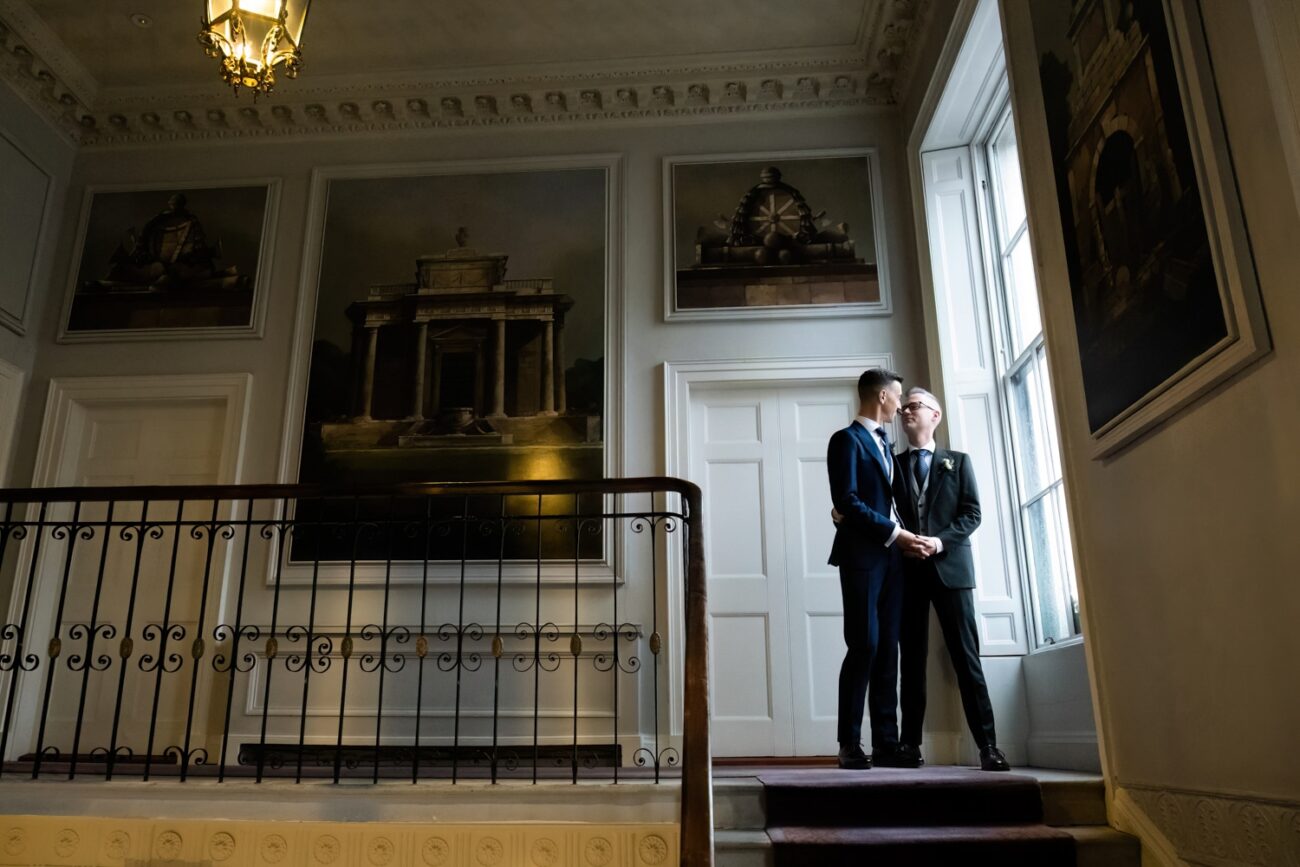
(254, 38)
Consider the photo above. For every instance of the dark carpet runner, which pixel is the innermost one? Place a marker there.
(931, 817)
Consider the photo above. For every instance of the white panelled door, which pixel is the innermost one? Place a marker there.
(759, 455)
(134, 443)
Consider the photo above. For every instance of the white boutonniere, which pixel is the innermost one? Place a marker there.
(947, 463)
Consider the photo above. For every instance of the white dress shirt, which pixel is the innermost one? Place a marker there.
(907, 462)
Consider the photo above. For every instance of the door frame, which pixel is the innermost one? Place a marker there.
(70, 397)
(12, 380)
(679, 378)
(66, 407)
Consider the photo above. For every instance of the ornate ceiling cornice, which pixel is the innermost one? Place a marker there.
(855, 77)
(918, 27)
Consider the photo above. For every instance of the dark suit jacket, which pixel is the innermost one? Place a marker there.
(952, 513)
(861, 493)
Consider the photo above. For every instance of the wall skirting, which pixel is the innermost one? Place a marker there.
(1213, 829)
(78, 840)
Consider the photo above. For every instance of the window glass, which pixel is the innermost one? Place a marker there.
(1006, 160)
(1027, 396)
(1026, 418)
(1026, 320)
(1055, 619)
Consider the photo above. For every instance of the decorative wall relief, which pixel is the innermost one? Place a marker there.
(773, 235)
(1164, 291)
(25, 190)
(1206, 828)
(169, 261)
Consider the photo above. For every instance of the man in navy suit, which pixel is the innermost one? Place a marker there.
(868, 546)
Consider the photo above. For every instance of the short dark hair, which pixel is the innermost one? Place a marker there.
(872, 381)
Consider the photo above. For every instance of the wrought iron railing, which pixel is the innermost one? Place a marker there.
(507, 631)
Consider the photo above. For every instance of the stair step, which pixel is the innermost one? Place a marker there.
(742, 849)
(738, 805)
(1024, 845)
(1100, 846)
(892, 798)
(1074, 802)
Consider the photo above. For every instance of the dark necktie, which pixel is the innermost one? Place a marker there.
(886, 452)
(920, 467)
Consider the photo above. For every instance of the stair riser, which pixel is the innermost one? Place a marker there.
(920, 854)
(905, 807)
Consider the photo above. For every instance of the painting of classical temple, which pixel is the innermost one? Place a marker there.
(787, 234)
(466, 369)
(153, 261)
(1147, 303)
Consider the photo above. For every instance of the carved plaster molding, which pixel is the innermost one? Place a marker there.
(468, 109)
(851, 78)
(97, 840)
(33, 79)
(54, 55)
(1222, 831)
(919, 28)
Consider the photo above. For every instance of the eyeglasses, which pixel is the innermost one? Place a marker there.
(917, 406)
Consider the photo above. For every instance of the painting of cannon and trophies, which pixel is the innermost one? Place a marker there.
(773, 235)
(459, 336)
(171, 261)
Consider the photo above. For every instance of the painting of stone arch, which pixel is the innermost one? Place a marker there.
(1148, 304)
(459, 332)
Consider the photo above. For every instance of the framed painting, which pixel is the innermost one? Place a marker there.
(171, 260)
(774, 235)
(25, 192)
(1163, 289)
(465, 341)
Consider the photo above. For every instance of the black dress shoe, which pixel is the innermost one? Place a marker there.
(897, 756)
(852, 758)
(991, 759)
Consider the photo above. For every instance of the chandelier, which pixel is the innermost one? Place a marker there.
(253, 37)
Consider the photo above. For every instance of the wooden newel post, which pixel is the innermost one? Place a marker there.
(697, 756)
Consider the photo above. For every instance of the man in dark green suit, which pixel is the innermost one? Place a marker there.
(934, 490)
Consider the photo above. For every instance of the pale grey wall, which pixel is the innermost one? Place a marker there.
(54, 155)
(648, 340)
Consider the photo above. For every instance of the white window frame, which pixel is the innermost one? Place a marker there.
(996, 117)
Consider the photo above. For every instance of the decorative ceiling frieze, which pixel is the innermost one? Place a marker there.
(868, 73)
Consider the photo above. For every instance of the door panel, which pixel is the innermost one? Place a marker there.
(808, 418)
(774, 603)
(145, 443)
(735, 456)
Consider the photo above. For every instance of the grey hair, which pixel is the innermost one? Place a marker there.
(916, 389)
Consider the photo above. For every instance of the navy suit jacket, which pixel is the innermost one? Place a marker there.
(861, 493)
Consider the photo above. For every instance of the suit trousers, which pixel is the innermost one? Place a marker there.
(873, 608)
(955, 609)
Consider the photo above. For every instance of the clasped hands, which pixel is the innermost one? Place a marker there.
(912, 545)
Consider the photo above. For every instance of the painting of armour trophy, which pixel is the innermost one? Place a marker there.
(773, 235)
(459, 336)
(170, 262)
